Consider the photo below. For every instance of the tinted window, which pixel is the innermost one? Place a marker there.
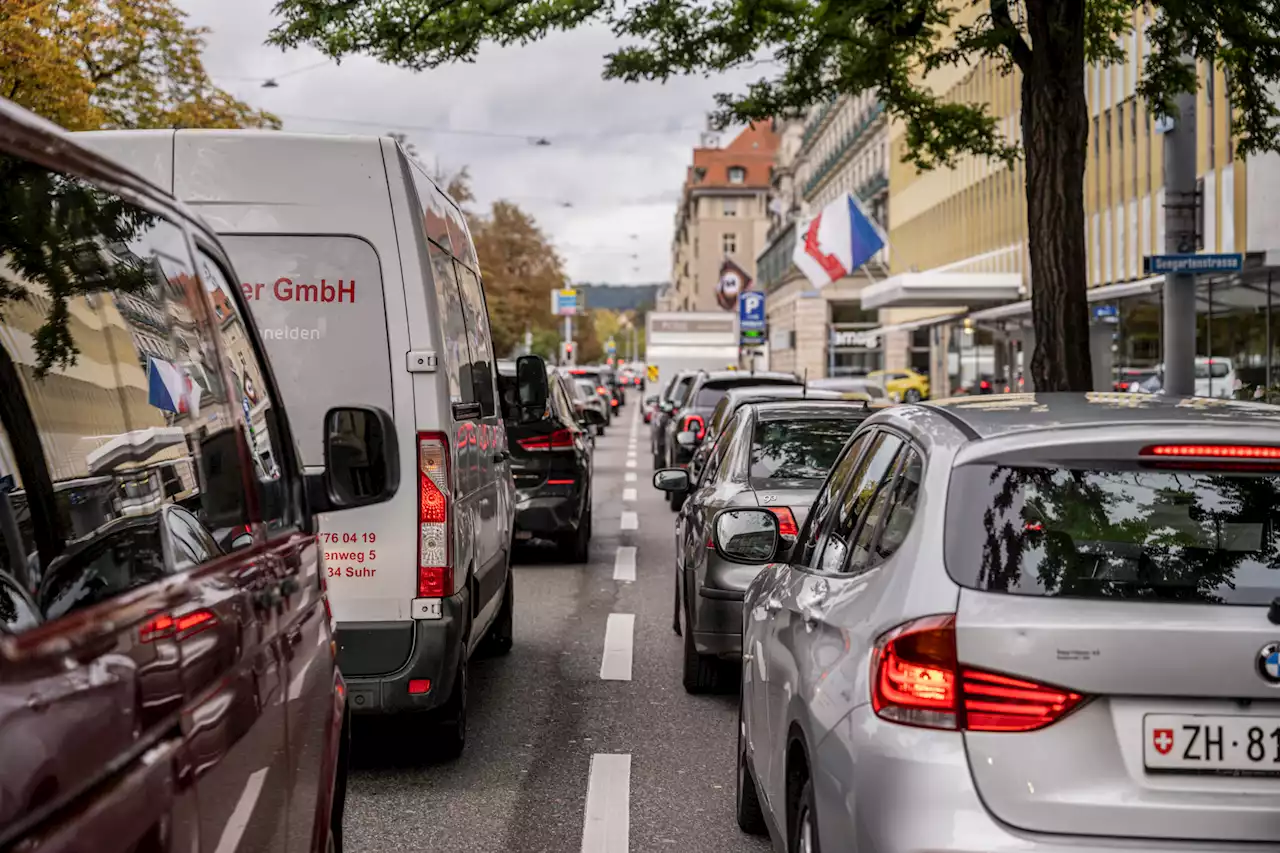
(708, 397)
(827, 499)
(114, 559)
(681, 390)
(457, 354)
(902, 506)
(853, 505)
(478, 339)
(1217, 370)
(717, 469)
(311, 298)
(1131, 534)
(783, 451)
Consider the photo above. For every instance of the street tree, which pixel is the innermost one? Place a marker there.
(819, 50)
(92, 64)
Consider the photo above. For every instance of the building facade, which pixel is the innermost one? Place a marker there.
(722, 215)
(838, 147)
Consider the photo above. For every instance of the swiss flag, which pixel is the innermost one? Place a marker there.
(1162, 740)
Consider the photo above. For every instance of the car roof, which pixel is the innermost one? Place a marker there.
(809, 409)
(747, 393)
(994, 415)
(717, 375)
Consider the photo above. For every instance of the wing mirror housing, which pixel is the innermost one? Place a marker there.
(688, 438)
(671, 480)
(746, 536)
(361, 460)
(532, 389)
(594, 417)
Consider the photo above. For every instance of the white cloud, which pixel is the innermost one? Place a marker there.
(619, 150)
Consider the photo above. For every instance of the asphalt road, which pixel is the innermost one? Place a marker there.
(545, 726)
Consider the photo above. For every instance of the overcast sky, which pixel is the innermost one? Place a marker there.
(618, 151)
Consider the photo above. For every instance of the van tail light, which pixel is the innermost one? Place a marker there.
(694, 423)
(561, 439)
(916, 680)
(786, 521)
(435, 563)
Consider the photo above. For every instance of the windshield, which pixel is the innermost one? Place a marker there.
(1215, 369)
(799, 450)
(1133, 534)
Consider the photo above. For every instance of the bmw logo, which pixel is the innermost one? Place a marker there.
(1269, 663)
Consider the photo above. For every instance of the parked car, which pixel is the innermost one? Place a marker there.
(902, 386)
(669, 403)
(551, 461)
(345, 240)
(591, 400)
(690, 426)
(968, 622)
(864, 387)
(158, 670)
(771, 454)
(650, 407)
(736, 399)
(605, 382)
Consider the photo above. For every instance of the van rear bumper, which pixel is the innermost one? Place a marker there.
(437, 647)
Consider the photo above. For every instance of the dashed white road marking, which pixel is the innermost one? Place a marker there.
(631, 463)
(619, 635)
(628, 494)
(630, 521)
(606, 826)
(624, 564)
(234, 829)
(630, 477)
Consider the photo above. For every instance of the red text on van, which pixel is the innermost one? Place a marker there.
(284, 290)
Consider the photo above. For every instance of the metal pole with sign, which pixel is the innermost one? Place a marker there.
(1180, 202)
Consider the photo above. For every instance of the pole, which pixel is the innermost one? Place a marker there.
(1180, 238)
(568, 339)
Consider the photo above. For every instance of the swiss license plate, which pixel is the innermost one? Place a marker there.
(426, 608)
(1184, 743)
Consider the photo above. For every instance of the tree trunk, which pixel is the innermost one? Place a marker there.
(24, 438)
(1055, 135)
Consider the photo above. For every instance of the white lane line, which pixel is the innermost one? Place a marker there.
(624, 564)
(628, 494)
(619, 633)
(630, 476)
(630, 521)
(606, 827)
(238, 821)
(631, 463)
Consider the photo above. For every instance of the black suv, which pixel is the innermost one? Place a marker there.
(707, 390)
(551, 465)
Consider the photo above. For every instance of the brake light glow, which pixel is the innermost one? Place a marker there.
(560, 482)
(984, 385)
(561, 439)
(916, 680)
(435, 566)
(786, 521)
(688, 425)
(1213, 451)
(601, 390)
(418, 686)
(184, 627)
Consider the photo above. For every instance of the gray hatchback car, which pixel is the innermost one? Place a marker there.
(1035, 623)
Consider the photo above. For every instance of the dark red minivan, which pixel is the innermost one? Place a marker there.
(167, 672)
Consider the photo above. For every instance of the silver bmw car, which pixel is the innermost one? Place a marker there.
(1035, 623)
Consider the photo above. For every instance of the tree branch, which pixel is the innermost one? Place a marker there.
(1004, 27)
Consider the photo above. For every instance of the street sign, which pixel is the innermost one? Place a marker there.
(751, 311)
(1106, 313)
(564, 303)
(653, 373)
(753, 338)
(1193, 264)
(610, 346)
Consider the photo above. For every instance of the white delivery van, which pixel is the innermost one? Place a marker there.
(363, 280)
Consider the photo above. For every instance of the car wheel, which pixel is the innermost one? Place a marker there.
(701, 672)
(502, 632)
(750, 815)
(912, 395)
(804, 836)
(576, 546)
(450, 735)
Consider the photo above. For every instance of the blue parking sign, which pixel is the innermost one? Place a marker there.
(751, 311)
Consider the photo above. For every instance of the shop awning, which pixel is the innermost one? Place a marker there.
(869, 337)
(942, 290)
(1106, 293)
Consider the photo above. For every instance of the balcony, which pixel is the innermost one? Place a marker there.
(774, 262)
(852, 138)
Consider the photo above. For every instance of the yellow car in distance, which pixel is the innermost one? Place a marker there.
(904, 386)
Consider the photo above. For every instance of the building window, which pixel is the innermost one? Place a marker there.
(737, 175)
(730, 207)
(730, 243)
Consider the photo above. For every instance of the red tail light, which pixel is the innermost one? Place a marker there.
(561, 439)
(984, 385)
(689, 422)
(601, 390)
(786, 521)
(182, 627)
(435, 550)
(1214, 451)
(917, 681)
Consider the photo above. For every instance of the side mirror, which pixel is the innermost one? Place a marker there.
(532, 390)
(688, 438)
(671, 480)
(667, 407)
(593, 416)
(746, 536)
(244, 540)
(361, 460)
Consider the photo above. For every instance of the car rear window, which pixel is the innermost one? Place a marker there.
(1216, 370)
(715, 391)
(797, 449)
(1138, 534)
(319, 308)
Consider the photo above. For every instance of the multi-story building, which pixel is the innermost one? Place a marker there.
(838, 147)
(959, 237)
(722, 215)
